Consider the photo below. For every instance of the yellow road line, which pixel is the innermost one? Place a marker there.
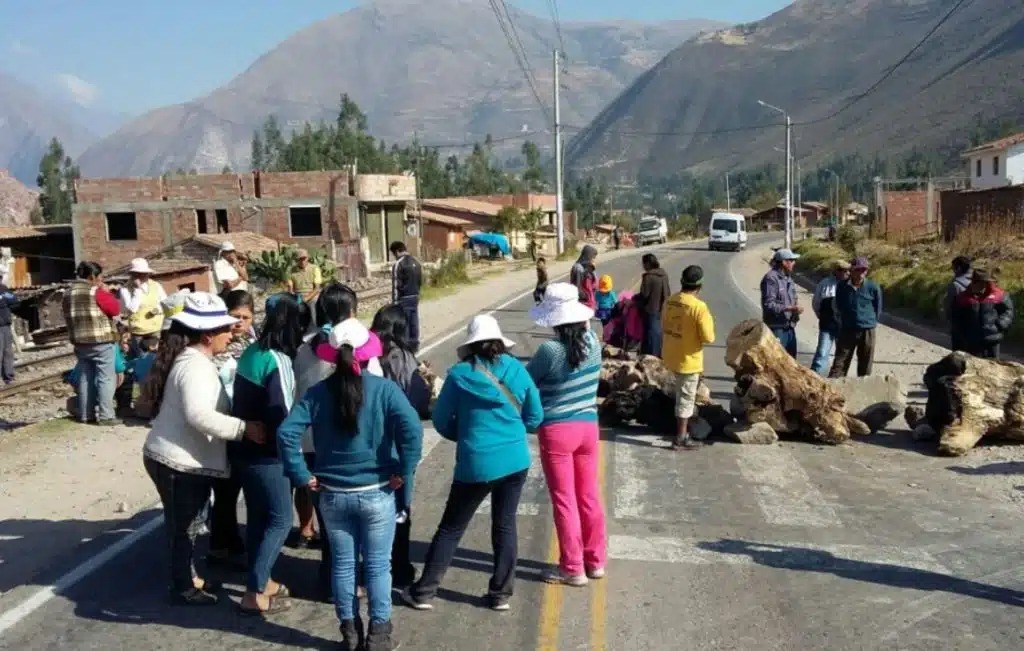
(551, 604)
(599, 594)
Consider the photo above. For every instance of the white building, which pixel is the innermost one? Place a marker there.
(996, 164)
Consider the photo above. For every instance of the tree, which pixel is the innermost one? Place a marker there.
(533, 175)
(508, 220)
(56, 181)
(256, 152)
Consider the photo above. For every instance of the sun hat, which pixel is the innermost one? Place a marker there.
(483, 327)
(784, 255)
(140, 266)
(840, 265)
(203, 311)
(860, 262)
(561, 305)
(226, 246)
(605, 284)
(173, 304)
(693, 277)
(981, 276)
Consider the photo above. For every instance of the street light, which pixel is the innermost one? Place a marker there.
(835, 204)
(789, 171)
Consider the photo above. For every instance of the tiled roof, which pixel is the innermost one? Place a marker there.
(19, 232)
(447, 220)
(165, 266)
(466, 205)
(1002, 143)
(244, 241)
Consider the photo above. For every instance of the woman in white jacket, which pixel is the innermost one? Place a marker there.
(185, 450)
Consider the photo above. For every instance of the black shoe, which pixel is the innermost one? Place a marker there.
(352, 635)
(497, 602)
(194, 597)
(379, 638)
(687, 444)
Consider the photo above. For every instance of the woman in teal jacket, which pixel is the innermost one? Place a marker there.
(487, 406)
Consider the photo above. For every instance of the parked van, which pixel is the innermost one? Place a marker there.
(728, 231)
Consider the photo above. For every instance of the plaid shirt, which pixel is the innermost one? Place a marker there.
(87, 324)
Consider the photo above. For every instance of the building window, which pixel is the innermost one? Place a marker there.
(33, 264)
(995, 165)
(977, 168)
(201, 226)
(304, 221)
(189, 286)
(121, 226)
(222, 220)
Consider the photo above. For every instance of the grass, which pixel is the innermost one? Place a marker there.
(914, 276)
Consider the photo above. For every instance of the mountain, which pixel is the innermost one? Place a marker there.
(28, 120)
(16, 201)
(439, 68)
(813, 58)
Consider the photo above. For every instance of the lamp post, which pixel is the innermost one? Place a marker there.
(789, 171)
(835, 202)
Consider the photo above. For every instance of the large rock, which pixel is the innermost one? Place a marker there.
(751, 433)
(876, 400)
(717, 416)
(700, 429)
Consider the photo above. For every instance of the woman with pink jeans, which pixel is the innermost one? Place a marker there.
(566, 370)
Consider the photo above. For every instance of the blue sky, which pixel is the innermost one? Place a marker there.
(130, 56)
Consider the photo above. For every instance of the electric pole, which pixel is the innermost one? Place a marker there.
(728, 197)
(789, 182)
(559, 215)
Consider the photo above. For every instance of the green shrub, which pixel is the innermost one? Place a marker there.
(275, 267)
(848, 237)
(450, 271)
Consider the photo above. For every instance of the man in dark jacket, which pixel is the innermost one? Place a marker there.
(982, 314)
(858, 308)
(654, 291)
(961, 279)
(779, 308)
(406, 280)
(8, 301)
(823, 305)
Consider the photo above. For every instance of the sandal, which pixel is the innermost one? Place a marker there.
(282, 591)
(276, 606)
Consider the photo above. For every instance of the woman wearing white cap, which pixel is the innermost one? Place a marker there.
(487, 405)
(567, 371)
(185, 450)
(141, 301)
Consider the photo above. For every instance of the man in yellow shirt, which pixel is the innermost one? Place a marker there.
(306, 280)
(688, 327)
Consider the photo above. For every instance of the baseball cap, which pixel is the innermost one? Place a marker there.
(693, 277)
(782, 255)
(860, 262)
(226, 246)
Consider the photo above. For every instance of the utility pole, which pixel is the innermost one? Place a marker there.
(559, 215)
(728, 197)
(789, 182)
(799, 187)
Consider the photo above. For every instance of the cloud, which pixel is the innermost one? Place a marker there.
(21, 48)
(80, 90)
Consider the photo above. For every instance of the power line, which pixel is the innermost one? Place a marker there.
(556, 19)
(516, 45)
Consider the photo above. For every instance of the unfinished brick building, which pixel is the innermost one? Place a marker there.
(116, 220)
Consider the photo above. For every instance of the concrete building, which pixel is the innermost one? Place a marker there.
(996, 164)
(384, 203)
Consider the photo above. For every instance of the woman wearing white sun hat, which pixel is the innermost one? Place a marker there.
(185, 450)
(487, 405)
(567, 370)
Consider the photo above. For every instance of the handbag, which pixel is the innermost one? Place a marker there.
(501, 387)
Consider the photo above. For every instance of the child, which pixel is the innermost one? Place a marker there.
(542, 280)
(588, 287)
(140, 367)
(606, 299)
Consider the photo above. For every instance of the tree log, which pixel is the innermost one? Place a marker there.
(774, 389)
(970, 398)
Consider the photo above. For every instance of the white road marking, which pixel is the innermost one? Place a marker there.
(5, 538)
(783, 489)
(632, 488)
(788, 555)
(535, 490)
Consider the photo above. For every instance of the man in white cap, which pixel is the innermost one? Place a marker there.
(140, 300)
(779, 307)
(229, 272)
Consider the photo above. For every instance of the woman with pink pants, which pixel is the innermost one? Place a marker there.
(566, 370)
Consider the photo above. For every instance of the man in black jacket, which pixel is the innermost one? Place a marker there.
(8, 301)
(406, 280)
(982, 314)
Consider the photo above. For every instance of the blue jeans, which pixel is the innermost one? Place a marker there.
(652, 335)
(787, 337)
(360, 523)
(97, 381)
(268, 513)
(826, 344)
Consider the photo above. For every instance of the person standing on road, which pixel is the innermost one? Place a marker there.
(617, 237)
(305, 282)
(858, 308)
(8, 302)
(89, 310)
(982, 315)
(654, 291)
(264, 390)
(184, 452)
(578, 273)
(961, 280)
(823, 305)
(688, 328)
(229, 272)
(140, 300)
(542, 280)
(406, 281)
(779, 308)
(566, 371)
(487, 405)
(368, 440)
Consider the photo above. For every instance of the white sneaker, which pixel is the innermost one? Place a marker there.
(596, 573)
(558, 576)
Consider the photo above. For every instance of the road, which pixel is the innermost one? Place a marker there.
(793, 546)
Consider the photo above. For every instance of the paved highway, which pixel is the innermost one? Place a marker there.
(793, 546)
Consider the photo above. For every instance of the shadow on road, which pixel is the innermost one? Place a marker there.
(1001, 468)
(897, 576)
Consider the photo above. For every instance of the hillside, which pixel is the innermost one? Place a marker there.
(441, 68)
(812, 58)
(16, 201)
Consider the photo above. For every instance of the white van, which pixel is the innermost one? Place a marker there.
(727, 231)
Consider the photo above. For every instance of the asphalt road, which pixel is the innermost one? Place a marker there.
(794, 546)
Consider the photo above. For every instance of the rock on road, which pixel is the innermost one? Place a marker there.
(789, 546)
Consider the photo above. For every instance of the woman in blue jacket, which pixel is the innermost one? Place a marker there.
(368, 440)
(487, 405)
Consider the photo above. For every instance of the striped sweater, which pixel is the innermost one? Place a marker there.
(567, 394)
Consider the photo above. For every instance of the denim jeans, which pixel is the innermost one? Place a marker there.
(411, 306)
(268, 513)
(826, 344)
(96, 381)
(360, 523)
(786, 337)
(7, 354)
(652, 335)
(184, 497)
(463, 501)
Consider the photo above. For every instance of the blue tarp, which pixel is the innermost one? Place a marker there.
(495, 240)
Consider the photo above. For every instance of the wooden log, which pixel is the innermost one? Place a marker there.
(774, 389)
(970, 398)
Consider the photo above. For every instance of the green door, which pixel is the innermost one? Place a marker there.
(375, 234)
(395, 224)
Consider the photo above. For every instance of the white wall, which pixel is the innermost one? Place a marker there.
(1011, 168)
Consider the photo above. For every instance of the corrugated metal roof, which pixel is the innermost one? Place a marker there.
(468, 205)
(19, 232)
(165, 266)
(447, 220)
(244, 241)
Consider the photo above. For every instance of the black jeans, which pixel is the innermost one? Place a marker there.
(411, 306)
(184, 496)
(849, 341)
(463, 501)
(224, 536)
